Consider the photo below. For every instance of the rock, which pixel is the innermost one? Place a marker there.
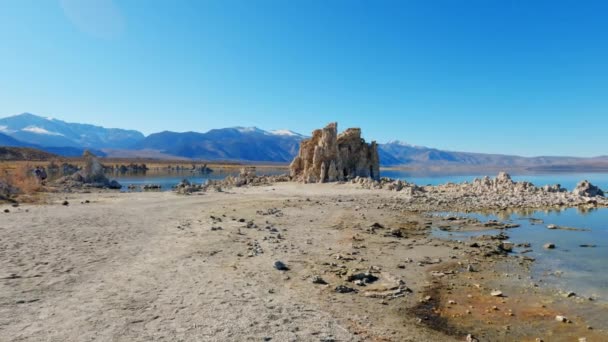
(365, 278)
(496, 293)
(562, 319)
(549, 246)
(327, 157)
(279, 265)
(506, 246)
(148, 187)
(91, 176)
(587, 189)
(471, 338)
(318, 280)
(66, 203)
(344, 289)
(552, 226)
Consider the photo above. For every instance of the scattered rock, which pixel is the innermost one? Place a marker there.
(365, 278)
(471, 338)
(506, 246)
(279, 265)
(318, 280)
(344, 289)
(496, 293)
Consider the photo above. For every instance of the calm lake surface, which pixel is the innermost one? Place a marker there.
(567, 180)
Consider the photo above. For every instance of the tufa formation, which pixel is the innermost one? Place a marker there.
(329, 157)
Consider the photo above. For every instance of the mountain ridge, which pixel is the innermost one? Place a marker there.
(238, 143)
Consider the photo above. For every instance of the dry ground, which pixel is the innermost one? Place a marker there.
(149, 267)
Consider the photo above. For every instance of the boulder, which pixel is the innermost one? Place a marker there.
(328, 157)
(587, 189)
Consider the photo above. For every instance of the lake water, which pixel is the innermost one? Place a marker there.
(567, 180)
(168, 180)
(568, 267)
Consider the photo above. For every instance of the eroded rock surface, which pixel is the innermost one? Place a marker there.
(91, 176)
(489, 193)
(587, 189)
(329, 157)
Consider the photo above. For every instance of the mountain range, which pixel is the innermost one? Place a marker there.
(236, 144)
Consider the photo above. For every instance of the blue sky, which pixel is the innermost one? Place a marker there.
(521, 77)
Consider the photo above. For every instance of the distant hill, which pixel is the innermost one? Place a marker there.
(8, 141)
(405, 154)
(24, 153)
(237, 143)
(49, 132)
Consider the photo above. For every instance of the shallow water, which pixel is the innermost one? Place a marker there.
(168, 180)
(568, 267)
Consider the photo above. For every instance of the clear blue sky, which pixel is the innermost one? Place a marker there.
(522, 77)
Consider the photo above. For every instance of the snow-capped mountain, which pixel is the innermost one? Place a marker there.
(235, 143)
(38, 130)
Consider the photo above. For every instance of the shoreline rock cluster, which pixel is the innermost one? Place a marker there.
(490, 193)
(246, 177)
(91, 176)
(482, 193)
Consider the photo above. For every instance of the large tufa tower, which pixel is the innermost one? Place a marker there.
(329, 157)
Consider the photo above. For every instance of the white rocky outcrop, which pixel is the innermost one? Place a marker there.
(329, 157)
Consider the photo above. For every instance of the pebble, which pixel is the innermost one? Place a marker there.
(549, 246)
(496, 293)
(318, 280)
(279, 265)
(344, 289)
(562, 319)
(471, 338)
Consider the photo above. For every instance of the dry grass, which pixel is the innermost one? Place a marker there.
(25, 186)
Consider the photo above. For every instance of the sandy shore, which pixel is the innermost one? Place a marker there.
(167, 267)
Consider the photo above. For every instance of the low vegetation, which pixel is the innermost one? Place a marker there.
(17, 182)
